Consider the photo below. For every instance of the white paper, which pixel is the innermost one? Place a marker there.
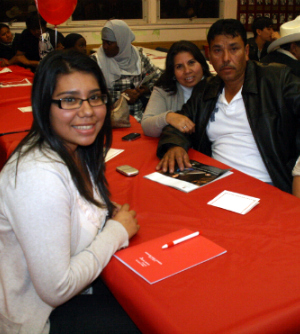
(113, 152)
(180, 184)
(235, 202)
(5, 70)
(24, 82)
(26, 109)
(171, 182)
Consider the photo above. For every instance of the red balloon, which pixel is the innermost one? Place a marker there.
(56, 11)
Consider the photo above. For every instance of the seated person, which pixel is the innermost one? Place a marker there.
(75, 42)
(185, 67)
(286, 49)
(246, 116)
(8, 45)
(264, 34)
(125, 66)
(58, 226)
(30, 49)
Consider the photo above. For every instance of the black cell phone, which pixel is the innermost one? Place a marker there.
(132, 136)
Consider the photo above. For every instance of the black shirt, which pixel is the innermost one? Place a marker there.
(29, 44)
(253, 49)
(281, 58)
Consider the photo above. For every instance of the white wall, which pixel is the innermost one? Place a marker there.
(153, 31)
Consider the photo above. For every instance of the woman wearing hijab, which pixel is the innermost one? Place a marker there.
(125, 66)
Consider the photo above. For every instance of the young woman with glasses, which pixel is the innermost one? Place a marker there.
(58, 227)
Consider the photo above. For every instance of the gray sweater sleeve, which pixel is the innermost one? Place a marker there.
(159, 105)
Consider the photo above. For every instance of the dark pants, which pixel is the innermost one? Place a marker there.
(92, 314)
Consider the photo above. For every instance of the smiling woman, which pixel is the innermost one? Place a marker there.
(61, 234)
(185, 68)
(77, 112)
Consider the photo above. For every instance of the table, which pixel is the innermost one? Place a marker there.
(158, 58)
(14, 123)
(12, 98)
(253, 288)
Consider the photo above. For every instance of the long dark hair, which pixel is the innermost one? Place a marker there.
(166, 80)
(59, 63)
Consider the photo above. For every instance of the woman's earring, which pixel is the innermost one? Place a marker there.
(174, 78)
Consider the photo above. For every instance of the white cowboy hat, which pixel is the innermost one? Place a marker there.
(289, 32)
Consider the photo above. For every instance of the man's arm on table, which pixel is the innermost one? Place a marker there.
(173, 144)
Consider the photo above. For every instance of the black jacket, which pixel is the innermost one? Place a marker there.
(253, 49)
(272, 100)
(281, 58)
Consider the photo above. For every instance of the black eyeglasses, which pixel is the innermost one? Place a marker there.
(69, 103)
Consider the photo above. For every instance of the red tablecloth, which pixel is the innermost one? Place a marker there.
(13, 122)
(253, 288)
(12, 98)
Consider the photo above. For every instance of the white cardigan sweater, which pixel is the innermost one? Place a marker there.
(42, 217)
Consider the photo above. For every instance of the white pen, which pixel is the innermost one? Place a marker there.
(177, 241)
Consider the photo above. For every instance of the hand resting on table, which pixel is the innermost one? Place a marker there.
(174, 155)
(127, 219)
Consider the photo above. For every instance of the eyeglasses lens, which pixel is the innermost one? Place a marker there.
(75, 103)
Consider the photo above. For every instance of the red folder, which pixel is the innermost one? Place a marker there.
(154, 264)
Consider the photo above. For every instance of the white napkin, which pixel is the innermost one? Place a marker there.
(5, 70)
(26, 109)
(24, 82)
(235, 202)
(113, 152)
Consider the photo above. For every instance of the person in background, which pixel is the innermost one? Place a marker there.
(264, 34)
(247, 116)
(296, 179)
(125, 66)
(286, 49)
(29, 51)
(75, 42)
(58, 226)
(185, 68)
(8, 45)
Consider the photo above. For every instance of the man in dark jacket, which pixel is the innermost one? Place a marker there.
(246, 116)
(264, 34)
(286, 49)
